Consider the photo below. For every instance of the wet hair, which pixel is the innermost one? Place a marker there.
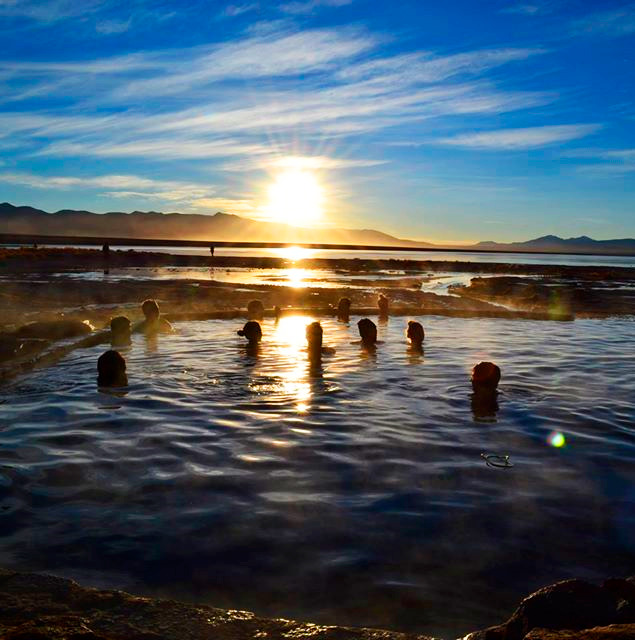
(367, 330)
(120, 328)
(314, 335)
(111, 370)
(382, 303)
(150, 308)
(251, 331)
(344, 305)
(415, 332)
(485, 377)
(255, 309)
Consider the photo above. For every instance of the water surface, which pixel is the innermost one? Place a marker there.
(353, 492)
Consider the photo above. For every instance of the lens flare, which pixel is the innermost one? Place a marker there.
(556, 439)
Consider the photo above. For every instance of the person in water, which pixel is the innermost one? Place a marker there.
(252, 332)
(255, 310)
(153, 322)
(367, 332)
(344, 309)
(314, 334)
(120, 330)
(415, 334)
(485, 378)
(111, 370)
(382, 303)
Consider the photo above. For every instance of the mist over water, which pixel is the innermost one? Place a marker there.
(349, 493)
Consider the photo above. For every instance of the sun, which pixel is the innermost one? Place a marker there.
(295, 197)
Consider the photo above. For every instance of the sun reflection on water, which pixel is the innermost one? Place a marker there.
(291, 338)
(295, 253)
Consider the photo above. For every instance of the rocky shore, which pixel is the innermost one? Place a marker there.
(583, 298)
(41, 607)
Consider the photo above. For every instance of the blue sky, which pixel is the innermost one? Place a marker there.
(445, 121)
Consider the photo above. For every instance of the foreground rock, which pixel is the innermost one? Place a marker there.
(38, 607)
(41, 607)
(571, 609)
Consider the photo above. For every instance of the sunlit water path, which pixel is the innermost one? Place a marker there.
(353, 492)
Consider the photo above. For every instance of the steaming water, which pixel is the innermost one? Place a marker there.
(352, 493)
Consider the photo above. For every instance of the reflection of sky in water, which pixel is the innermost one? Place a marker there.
(352, 492)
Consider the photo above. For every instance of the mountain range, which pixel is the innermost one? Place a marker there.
(226, 227)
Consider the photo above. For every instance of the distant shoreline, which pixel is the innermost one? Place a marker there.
(412, 247)
(46, 258)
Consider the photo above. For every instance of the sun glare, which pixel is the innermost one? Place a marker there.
(295, 197)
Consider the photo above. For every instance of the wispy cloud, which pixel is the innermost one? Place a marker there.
(308, 6)
(519, 139)
(319, 82)
(111, 27)
(234, 10)
(115, 185)
(523, 9)
(604, 162)
(615, 23)
(48, 10)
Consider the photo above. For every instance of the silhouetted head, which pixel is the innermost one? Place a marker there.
(120, 330)
(367, 331)
(314, 336)
(255, 309)
(382, 303)
(485, 377)
(150, 309)
(251, 331)
(415, 333)
(344, 308)
(111, 370)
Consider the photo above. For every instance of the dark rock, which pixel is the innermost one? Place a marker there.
(39, 607)
(571, 604)
(623, 590)
(611, 632)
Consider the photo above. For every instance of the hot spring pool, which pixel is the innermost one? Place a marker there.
(353, 493)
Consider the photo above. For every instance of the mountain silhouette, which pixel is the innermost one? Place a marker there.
(180, 226)
(223, 227)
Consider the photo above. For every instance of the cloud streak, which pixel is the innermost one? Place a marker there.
(520, 139)
(611, 24)
(300, 7)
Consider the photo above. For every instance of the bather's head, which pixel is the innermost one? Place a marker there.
(255, 310)
(485, 377)
(382, 303)
(367, 331)
(415, 333)
(111, 370)
(150, 310)
(344, 308)
(120, 331)
(314, 336)
(252, 332)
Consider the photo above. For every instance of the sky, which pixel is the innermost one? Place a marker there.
(446, 121)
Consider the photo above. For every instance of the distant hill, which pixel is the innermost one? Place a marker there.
(224, 227)
(555, 244)
(180, 226)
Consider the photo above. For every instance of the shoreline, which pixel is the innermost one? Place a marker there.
(46, 607)
(29, 260)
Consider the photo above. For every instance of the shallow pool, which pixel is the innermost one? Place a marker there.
(353, 492)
